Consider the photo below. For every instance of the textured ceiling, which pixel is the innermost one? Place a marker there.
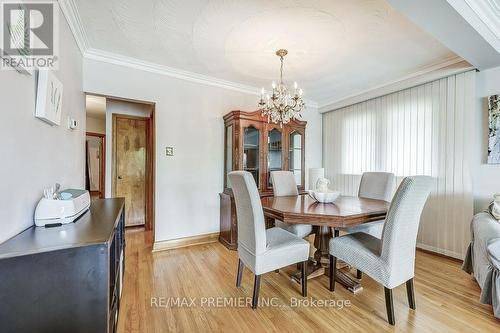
(336, 47)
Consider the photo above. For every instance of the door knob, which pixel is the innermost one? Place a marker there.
(120, 177)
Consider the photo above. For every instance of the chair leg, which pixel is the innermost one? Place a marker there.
(359, 274)
(389, 305)
(411, 294)
(256, 289)
(240, 273)
(335, 233)
(333, 272)
(304, 278)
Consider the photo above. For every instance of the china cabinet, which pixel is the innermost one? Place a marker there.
(253, 144)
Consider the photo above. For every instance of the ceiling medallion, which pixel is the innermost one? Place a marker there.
(282, 106)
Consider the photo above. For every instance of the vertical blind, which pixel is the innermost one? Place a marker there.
(423, 130)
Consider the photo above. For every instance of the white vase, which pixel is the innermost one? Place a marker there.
(314, 175)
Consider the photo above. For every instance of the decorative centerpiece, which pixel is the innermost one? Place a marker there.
(322, 193)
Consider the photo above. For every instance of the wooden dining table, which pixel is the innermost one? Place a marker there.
(345, 211)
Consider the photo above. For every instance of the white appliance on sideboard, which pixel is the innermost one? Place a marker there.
(64, 207)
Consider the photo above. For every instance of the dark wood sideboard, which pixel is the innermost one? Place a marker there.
(67, 278)
(253, 144)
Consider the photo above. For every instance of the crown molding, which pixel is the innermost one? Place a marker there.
(488, 11)
(70, 11)
(483, 16)
(121, 60)
(429, 73)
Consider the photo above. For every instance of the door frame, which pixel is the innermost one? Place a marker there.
(102, 164)
(150, 174)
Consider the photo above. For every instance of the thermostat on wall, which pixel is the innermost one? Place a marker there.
(71, 123)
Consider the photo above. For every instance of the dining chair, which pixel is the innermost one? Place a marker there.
(391, 259)
(284, 185)
(259, 249)
(373, 185)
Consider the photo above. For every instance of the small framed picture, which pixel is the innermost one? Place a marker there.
(49, 98)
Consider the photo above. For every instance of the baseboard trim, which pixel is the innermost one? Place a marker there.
(442, 252)
(185, 241)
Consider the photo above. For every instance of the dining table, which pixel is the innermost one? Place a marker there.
(345, 211)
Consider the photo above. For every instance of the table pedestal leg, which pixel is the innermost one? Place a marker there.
(321, 241)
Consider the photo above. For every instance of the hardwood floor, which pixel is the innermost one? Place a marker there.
(447, 299)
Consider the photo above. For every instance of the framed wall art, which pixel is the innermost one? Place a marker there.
(49, 98)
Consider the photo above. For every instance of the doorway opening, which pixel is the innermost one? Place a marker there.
(127, 129)
(95, 148)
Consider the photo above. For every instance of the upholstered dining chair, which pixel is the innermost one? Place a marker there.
(259, 249)
(390, 260)
(284, 185)
(373, 185)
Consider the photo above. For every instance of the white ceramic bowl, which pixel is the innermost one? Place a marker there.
(324, 197)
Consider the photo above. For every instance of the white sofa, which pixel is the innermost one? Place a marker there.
(483, 258)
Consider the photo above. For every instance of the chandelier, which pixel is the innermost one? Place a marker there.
(282, 106)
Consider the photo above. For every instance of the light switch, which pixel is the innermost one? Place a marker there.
(169, 151)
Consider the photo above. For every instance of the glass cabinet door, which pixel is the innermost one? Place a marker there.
(251, 152)
(274, 153)
(229, 151)
(295, 156)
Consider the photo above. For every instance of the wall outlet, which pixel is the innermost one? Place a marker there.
(169, 151)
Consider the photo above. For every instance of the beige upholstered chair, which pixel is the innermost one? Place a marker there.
(259, 249)
(284, 185)
(390, 260)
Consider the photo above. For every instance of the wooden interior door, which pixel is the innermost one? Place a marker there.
(130, 166)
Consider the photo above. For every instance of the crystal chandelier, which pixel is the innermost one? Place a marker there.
(282, 106)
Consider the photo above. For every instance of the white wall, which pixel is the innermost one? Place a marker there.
(485, 177)
(95, 125)
(125, 108)
(37, 155)
(189, 118)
